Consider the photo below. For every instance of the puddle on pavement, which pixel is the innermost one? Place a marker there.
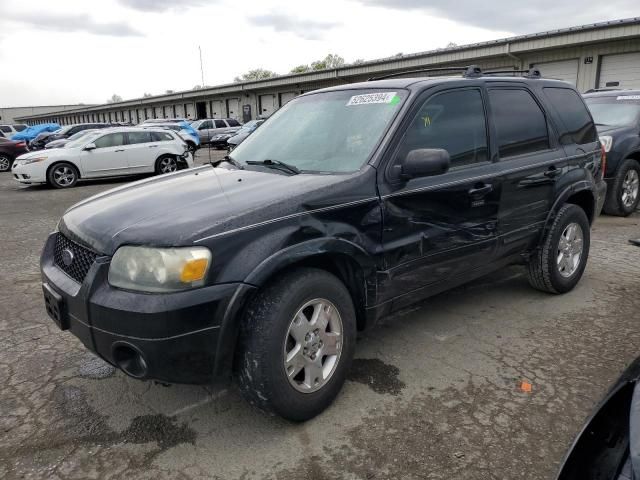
(377, 375)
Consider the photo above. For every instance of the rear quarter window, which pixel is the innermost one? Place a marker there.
(577, 126)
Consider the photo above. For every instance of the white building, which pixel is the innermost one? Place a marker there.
(590, 56)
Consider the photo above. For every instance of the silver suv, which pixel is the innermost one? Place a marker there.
(211, 127)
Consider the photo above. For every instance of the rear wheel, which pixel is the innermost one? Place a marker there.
(558, 264)
(623, 198)
(62, 175)
(166, 164)
(296, 345)
(5, 163)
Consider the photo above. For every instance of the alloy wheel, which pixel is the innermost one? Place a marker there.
(168, 165)
(313, 345)
(570, 249)
(630, 187)
(64, 176)
(5, 163)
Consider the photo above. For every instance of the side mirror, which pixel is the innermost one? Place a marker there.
(90, 146)
(425, 162)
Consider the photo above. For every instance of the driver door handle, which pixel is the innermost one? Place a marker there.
(480, 191)
(120, 150)
(552, 172)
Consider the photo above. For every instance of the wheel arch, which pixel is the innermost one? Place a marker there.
(347, 261)
(58, 162)
(580, 194)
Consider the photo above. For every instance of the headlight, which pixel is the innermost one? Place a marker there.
(27, 161)
(159, 269)
(607, 142)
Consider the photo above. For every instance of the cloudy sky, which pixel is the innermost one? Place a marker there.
(71, 51)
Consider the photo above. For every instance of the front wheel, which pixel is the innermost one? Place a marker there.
(296, 344)
(623, 197)
(558, 264)
(63, 175)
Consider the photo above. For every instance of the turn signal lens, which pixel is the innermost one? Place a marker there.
(194, 270)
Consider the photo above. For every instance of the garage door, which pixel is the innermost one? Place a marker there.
(190, 111)
(287, 97)
(267, 105)
(566, 70)
(217, 109)
(233, 108)
(621, 70)
(179, 111)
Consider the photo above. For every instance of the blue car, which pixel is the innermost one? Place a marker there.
(30, 133)
(184, 129)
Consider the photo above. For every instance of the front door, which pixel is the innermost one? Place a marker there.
(439, 228)
(108, 158)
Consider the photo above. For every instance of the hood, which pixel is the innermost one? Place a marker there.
(180, 208)
(52, 153)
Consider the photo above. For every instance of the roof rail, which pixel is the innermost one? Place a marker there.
(531, 73)
(470, 71)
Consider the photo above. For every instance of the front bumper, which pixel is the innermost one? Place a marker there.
(30, 173)
(176, 334)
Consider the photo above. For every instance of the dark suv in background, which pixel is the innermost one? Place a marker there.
(349, 203)
(617, 117)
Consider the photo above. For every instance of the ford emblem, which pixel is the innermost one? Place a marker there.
(67, 257)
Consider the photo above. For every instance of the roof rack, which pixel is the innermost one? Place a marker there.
(531, 73)
(470, 71)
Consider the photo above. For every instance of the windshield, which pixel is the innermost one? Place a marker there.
(88, 137)
(324, 132)
(609, 111)
(81, 133)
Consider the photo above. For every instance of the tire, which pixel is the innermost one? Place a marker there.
(555, 271)
(5, 162)
(267, 336)
(62, 175)
(622, 199)
(166, 164)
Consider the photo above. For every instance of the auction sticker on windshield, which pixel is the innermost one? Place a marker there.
(369, 98)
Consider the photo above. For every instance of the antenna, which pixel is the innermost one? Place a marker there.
(201, 69)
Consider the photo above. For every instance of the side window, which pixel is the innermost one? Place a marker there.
(19, 128)
(453, 121)
(220, 124)
(520, 124)
(205, 125)
(233, 123)
(577, 124)
(161, 137)
(139, 137)
(110, 140)
(5, 129)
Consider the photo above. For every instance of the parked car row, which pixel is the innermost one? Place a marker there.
(105, 152)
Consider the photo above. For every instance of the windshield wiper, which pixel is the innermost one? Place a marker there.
(277, 164)
(228, 159)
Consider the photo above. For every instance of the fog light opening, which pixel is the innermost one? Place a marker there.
(130, 361)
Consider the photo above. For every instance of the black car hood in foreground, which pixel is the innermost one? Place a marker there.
(178, 209)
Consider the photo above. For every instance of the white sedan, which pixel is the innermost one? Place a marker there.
(105, 153)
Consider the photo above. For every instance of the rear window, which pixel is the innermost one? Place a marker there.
(519, 122)
(233, 123)
(161, 136)
(220, 124)
(577, 126)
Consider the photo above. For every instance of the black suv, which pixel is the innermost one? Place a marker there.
(347, 204)
(617, 117)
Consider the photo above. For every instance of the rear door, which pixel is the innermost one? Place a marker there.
(108, 158)
(141, 151)
(531, 161)
(438, 228)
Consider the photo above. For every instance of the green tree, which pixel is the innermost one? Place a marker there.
(332, 60)
(301, 69)
(255, 74)
(146, 95)
(114, 99)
